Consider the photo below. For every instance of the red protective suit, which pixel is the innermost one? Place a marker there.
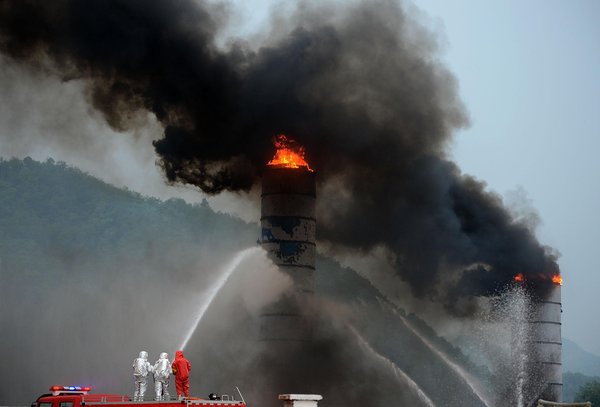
(181, 368)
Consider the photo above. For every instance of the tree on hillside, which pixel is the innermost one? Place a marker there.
(589, 392)
(573, 382)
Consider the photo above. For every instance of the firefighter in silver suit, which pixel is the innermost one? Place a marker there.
(141, 368)
(162, 371)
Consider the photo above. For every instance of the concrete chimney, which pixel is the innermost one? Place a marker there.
(300, 400)
(288, 234)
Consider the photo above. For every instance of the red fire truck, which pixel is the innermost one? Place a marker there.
(77, 396)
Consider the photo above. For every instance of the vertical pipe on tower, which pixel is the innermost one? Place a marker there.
(547, 341)
(288, 234)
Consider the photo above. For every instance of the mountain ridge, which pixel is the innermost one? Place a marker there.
(578, 360)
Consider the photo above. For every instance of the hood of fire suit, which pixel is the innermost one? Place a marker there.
(178, 354)
(144, 354)
(163, 355)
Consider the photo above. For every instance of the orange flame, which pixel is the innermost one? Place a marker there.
(289, 154)
(519, 278)
(557, 279)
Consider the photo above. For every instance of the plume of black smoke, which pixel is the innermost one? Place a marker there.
(363, 91)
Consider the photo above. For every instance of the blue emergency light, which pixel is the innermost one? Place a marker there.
(56, 389)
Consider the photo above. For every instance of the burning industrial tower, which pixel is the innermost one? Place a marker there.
(288, 226)
(547, 340)
(540, 357)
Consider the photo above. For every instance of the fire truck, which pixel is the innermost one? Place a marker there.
(78, 396)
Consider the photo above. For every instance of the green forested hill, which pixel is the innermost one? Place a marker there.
(53, 216)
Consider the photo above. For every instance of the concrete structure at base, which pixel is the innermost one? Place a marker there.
(547, 343)
(288, 234)
(300, 400)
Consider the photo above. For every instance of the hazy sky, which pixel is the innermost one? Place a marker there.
(528, 72)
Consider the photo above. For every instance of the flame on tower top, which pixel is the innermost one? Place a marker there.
(288, 154)
(556, 278)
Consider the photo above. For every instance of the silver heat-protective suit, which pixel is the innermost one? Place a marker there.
(141, 368)
(162, 371)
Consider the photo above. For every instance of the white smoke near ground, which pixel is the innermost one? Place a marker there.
(85, 324)
(338, 363)
(260, 283)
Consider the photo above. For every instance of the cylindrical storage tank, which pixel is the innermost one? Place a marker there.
(547, 341)
(288, 229)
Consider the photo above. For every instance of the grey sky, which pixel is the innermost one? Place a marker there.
(529, 74)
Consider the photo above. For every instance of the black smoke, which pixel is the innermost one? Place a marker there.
(360, 86)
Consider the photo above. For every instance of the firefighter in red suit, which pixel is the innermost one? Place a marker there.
(181, 369)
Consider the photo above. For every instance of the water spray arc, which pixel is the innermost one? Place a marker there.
(400, 374)
(212, 292)
(468, 379)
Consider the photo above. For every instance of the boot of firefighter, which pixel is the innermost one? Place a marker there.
(158, 390)
(143, 386)
(165, 385)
